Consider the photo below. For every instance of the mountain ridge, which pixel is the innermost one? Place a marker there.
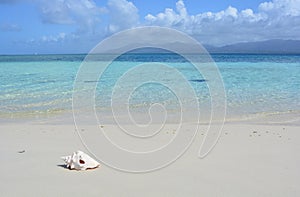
(261, 47)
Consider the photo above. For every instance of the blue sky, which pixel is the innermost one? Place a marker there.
(75, 26)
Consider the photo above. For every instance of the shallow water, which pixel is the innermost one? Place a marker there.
(255, 85)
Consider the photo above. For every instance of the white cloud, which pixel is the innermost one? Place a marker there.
(247, 13)
(281, 7)
(83, 13)
(170, 18)
(123, 15)
(86, 15)
(231, 11)
(275, 19)
(181, 9)
(57, 38)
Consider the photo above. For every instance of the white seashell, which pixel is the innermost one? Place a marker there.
(80, 161)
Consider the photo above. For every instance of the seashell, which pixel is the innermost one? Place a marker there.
(80, 161)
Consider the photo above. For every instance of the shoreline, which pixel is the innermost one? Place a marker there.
(291, 118)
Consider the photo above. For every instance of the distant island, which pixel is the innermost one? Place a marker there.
(262, 47)
(275, 46)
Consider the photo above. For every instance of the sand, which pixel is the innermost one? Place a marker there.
(249, 160)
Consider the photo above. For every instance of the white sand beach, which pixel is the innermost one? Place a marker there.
(143, 89)
(249, 160)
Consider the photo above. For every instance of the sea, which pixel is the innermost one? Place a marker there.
(258, 87)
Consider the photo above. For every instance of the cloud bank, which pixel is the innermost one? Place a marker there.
(277, 19)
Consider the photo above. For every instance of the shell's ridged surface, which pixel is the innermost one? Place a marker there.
(80, 161)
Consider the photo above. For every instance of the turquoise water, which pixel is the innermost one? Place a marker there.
(254, 84)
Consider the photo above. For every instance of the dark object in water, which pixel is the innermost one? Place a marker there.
(22, 151)
(198, 80)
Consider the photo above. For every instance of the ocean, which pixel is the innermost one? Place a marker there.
(256, 85)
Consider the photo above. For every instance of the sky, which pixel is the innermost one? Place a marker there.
(76, 26)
